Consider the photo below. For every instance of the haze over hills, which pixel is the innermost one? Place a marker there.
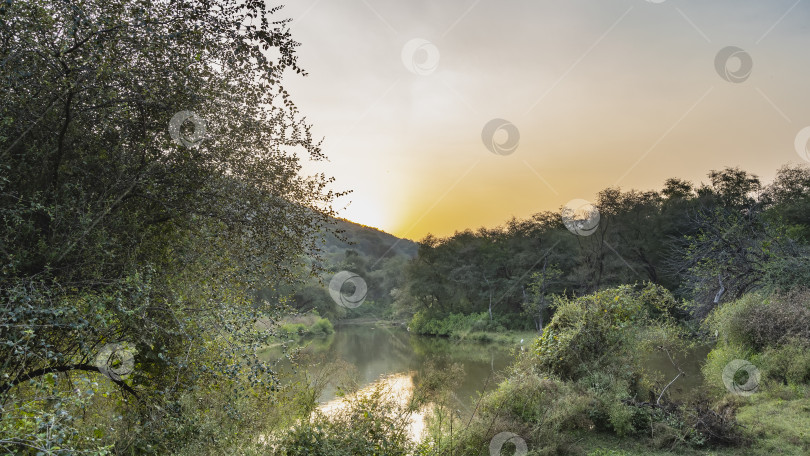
(368, 241)
(379, 258)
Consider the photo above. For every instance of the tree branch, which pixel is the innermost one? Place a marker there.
(64, 368)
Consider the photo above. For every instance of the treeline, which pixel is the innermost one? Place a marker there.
(706, 243)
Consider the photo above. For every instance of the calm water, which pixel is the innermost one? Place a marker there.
(375, 352)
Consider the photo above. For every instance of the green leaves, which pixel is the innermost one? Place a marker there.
(111, 231)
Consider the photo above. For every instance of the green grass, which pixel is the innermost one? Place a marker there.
(499, 337)
(779, 421)
(305, 325)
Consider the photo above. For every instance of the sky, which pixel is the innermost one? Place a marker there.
(447, 115)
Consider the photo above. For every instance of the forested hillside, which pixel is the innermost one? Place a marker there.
(707, 243)
(378, 257)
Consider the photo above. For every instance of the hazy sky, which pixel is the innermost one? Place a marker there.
(601, 92)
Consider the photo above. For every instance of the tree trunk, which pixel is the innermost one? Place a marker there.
(490, 306)
(542, 304)
(721, 291)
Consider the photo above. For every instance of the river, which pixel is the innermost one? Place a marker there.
(373, 354)
(376, 351)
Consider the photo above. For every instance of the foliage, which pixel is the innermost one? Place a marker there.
(604, 330)
(461, 326)
(372, 423)
(306, 325)
(769, 331)
(51, 420)
(378, 258)
(538, 305)
(757, 321)
(114, 232)
(708, 244)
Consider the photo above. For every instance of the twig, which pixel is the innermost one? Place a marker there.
(680, 372)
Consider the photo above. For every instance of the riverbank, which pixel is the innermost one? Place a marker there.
(370, 321)
(507, 337)
(502, 337)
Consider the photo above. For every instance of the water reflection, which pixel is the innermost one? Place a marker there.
(399, 388)
(376, 352)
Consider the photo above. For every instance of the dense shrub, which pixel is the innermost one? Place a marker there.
(771, 332)
(306, 325)
(459, 324)
(374, 423)
(543, 411)
(756, 321)
(322, 327)
(788, 364)
(606, 332)
(422, 323)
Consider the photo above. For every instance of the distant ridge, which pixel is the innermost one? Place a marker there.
(368, 241)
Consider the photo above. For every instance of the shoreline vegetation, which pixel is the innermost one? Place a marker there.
(582, 387)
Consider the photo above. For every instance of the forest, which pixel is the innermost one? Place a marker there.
(706, 243)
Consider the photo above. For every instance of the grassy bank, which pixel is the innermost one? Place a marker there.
(478, 327)
(370, 321)
(505, 337)
(309, 324)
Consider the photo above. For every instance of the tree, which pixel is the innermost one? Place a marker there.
(737, 245)
(539, 289)
(149, 182)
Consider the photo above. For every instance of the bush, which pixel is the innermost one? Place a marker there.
(373, 423)
(756, 321)
(461, 324)
(605, 331)
(292, 329)
(306, 325)
(543, 411)
(422, 323)
(788, 364)
(322, 327)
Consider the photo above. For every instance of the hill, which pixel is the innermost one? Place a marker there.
(379, 258)
(368, 241)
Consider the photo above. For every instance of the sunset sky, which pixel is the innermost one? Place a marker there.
(602, 92)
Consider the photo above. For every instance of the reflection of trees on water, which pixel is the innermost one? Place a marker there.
(377, 351)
